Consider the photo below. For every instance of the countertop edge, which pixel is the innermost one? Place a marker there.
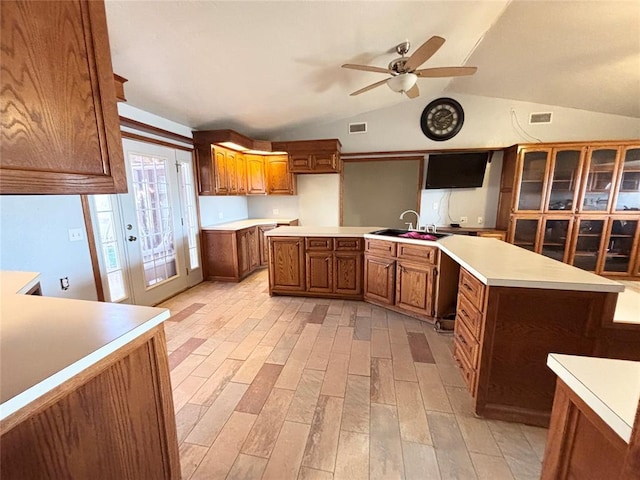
(36, 391)
(246, 223)
(609, 416)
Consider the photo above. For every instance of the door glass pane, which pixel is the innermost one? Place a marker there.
(563, 185)
(618, 256)
(599, 182)
(533, 172)
(629, 194)
(588, 244)
(525, 233)
(111, 252)
(154, 213)
(190, 217)
(555, 239)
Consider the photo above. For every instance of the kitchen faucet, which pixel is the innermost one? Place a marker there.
(418, 227)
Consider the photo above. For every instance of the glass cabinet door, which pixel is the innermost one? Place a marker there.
(628, 199)
(555, 238)
(619, 246)
(525, 233)
(601, 165)
(532, 183)
(564, 180)
(589, 236)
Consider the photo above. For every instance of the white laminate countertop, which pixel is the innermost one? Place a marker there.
(610, 387)
(45, 341)
(492, 261)
(17, 282)
(248, 222)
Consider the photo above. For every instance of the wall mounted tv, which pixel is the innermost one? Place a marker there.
(456, 170)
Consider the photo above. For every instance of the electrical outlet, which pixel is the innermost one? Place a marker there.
(64, 283)
(75, 234)
(220, 215)
(463, 220)
(435, 205)
(480, 220)
(276, 211)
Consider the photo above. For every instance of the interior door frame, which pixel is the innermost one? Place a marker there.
(187, 145)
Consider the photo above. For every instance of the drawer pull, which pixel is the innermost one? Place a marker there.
(464, 313)
(467, 286)
(463, 341)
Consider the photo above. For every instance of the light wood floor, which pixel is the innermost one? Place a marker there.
(294, 388)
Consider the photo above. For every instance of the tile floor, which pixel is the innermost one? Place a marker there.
(297, 388)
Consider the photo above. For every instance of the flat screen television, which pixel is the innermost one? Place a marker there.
(456, 170)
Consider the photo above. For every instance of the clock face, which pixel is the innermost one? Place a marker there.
(442, 119)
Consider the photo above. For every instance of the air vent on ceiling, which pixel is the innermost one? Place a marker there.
(358, 128)
(540, 118)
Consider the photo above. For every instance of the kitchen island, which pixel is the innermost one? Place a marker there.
(84, 388)
(513, 307)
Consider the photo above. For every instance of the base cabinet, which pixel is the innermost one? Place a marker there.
(414, 287)
(332, 267)
(379, 279)
(113, 420)
(286, 265)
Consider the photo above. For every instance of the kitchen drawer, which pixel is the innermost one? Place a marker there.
(469, 315)
(466, 344)
(318, 243)
(467, 371)
(417, 252)
(343, 244)
(381, 247)
(472, 288)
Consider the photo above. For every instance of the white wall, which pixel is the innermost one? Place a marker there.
(489, 122)
(273, 206)
(319, 203)
(222, 209)
(34, 237)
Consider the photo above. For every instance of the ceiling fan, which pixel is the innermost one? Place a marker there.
(403, 70)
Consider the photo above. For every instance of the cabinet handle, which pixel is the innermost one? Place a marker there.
(462, 340)
(467, 287)
(464, 313)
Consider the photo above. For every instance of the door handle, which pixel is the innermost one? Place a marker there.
(132, 238)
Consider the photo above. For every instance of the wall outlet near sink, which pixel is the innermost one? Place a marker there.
(480, 220)
(463, 220)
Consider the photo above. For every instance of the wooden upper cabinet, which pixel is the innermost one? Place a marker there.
(60, 132)
(312, 156)
(280, 180)
(232, 179)
(220, 171)
(241, 174)
(256, 180)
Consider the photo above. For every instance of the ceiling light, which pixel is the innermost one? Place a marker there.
(402, 82)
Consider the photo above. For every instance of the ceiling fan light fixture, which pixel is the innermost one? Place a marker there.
(402, 82)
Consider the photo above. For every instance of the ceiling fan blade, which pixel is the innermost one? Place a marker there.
(366, 68)
(369, 87)
(424, 53)
(413, 92)
(439, 72)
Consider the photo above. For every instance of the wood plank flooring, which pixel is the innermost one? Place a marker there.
(297, 388)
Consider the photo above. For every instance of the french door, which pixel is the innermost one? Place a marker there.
(148, 237)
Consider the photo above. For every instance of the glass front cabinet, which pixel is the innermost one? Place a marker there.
(575, 202)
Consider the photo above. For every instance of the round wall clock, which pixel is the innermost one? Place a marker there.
(442, 119)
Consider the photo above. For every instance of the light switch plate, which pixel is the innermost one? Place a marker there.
(75, 234)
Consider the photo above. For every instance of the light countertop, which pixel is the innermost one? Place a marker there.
(18, 282)
(493, 262)
(610, 387)
(320, 231)
(249, 222)
(45, 341)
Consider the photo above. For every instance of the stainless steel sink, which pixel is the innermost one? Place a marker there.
(396, 232)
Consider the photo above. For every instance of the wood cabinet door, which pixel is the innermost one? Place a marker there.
(414, 287)
(301, 162)
(531, 183)
(232, 180)
(220, 173)
(206, 170)
(280, 180)
(328, 162)
(241, 174)
(253, 248)
(319, 272)
(379, 279)
(263, 243)
(286, 264)
(60, 132)
(256, 181)
(347, 273)
(244, 260)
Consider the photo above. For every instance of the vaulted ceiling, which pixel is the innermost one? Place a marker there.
(263, 67)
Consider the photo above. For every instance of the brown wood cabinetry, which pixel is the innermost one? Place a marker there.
(60, 133)
(333, 267)
(567, 201)
(280, 180)
(263, 243)
(404, 276)
(115, 419)
(579, 440)
(312, 156)
(286, 265)
(256, 179)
